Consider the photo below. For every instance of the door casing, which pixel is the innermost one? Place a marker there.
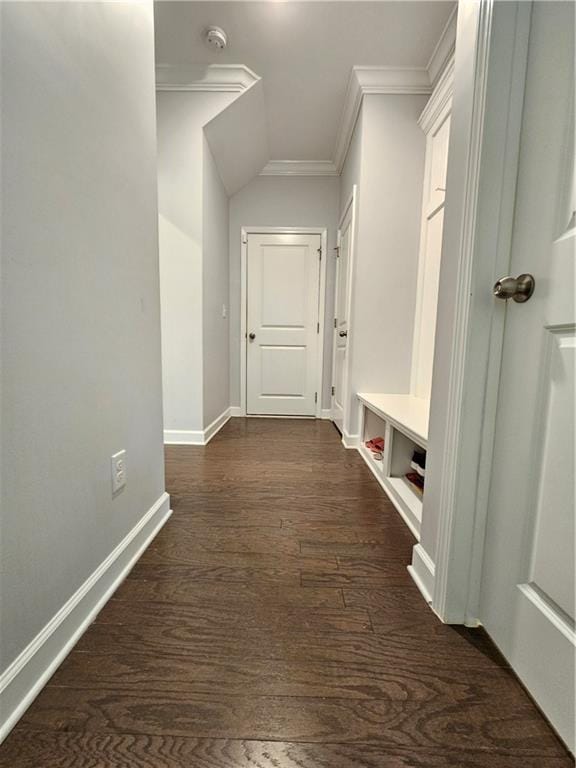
(482, 172)
(244, 232)
(350, 206)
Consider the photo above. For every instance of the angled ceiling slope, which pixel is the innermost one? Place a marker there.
(238, 135)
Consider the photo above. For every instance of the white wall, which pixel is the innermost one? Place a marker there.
(80, 299)
(282, 201)
(181, 145)
(215, 282)
(391, 161)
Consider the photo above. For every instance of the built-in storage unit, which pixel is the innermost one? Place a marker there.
(402, 420)
(435, 122)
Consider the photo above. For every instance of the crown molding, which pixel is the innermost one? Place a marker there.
(364, 80)
(441, 95)
(444, 50)
(228, 78)
(380, 81)
(299, 168)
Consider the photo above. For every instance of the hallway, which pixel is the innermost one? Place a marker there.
(272, 622)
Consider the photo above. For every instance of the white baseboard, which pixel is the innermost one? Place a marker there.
(216, 425)
(422, 571)
(236, 410)
(183, 437)
(23, 680)
(197, 436)
(350, 441)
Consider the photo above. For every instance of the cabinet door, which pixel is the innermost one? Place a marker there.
(430, 254)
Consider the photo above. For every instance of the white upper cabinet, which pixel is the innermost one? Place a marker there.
(435, 122)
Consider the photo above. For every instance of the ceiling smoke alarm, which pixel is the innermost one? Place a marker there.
(215, 37)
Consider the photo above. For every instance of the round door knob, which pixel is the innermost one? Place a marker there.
(251, 336)
(517, 288)
(343, 334)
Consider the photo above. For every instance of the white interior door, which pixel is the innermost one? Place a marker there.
(527, 598)
(283, 279)
(341, 313)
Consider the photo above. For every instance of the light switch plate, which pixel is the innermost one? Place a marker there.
(118, 467)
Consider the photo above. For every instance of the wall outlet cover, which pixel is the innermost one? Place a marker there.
(118, 468)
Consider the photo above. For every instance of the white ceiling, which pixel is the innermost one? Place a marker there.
(304, 52)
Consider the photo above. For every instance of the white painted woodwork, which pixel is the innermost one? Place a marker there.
(403, 422)
(405, 412)
(283, 278)
(435, 122)
(299, 168)
(489, 79)
(342, 315)
(527, 597)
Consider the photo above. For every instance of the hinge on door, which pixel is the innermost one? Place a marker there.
(315, 397)
(335, 322)
(320, 253)
(317, 327)
(333, 391)
(337, 249)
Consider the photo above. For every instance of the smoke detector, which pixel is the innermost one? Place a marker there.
(215, 38)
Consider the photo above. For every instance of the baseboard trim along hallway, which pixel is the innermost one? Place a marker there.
(198, 436)
(31, 670)
(422, 571)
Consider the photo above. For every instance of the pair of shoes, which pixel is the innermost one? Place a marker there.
(376, 446)
(418, 462)
(416, 481)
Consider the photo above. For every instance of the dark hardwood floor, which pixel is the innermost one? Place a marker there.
(273, 624)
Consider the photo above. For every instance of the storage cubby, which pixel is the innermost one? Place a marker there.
(373, 426)
(403, 422)
(402, 450)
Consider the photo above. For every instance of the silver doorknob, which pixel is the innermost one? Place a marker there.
(343, 333)
(517, 288)
(251, 336)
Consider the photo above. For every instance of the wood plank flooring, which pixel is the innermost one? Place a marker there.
(272, 624)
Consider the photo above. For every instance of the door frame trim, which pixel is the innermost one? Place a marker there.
(482, 168)
(349, 206)
(254, 230)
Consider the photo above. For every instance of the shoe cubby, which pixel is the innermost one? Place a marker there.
(373, 426)
(402, 449)
(403, 422)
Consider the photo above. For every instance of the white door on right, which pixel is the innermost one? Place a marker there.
(527, 599)
(341, 319)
